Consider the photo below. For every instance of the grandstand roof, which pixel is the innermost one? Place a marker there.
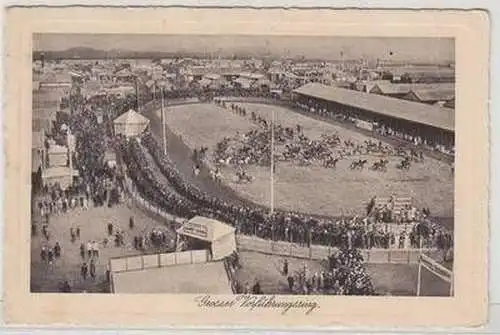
(443, 118)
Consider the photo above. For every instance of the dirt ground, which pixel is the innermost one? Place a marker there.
(314, 189)
(47, 277)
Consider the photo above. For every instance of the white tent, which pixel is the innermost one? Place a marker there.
(130, 124)
(221, 236)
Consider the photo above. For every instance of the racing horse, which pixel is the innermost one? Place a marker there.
(359, 164)
(404, 164)
(380, 165)
(331, 163)
(216, 174)
(243, 177)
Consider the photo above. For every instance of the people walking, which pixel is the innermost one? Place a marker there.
(92, 269)
(84, 270)
(82, 250)
(285, 268)
(89, 249)
(57, 250)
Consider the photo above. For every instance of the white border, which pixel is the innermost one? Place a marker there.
(494, 327)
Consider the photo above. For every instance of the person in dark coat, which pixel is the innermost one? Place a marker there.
(131, 222)
(43, 254)
(256, 288)
(110, 229)
(66, 287)
(82, 250)
(73, 235)
(291, 281)
(92, 268)
(50, 255)
(84, 271)
(57, 250)
(285, 267)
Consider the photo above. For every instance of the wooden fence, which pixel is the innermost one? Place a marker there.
(142, 262)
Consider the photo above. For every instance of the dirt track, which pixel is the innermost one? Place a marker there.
(312, 189)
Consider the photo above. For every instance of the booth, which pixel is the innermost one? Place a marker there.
(59, 175)
(206, 233)
(58, 155)
(130, 124)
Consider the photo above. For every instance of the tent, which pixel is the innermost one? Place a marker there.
(220, 236)
(130, 124)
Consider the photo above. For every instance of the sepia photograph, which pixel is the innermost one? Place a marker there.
(238, 167)
(242, 164)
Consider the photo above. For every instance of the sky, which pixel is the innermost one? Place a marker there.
(328, 48)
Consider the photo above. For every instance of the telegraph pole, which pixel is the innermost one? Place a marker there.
(70, 157)
(137, 94)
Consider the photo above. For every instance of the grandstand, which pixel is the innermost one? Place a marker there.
(436, 124)
(398, 203)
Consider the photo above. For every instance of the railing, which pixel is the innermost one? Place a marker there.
(230, 274)
(146, 205)
(319, 252)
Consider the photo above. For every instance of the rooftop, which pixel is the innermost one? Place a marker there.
(443, 118)
(188, 279)
(205, 229)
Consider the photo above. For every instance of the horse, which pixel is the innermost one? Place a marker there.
(404, 164)
(380, 165)
(243, 177)
(331, 163)
(215, 174)
(359, 164)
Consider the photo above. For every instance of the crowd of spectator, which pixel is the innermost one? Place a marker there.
(186, 200)
(379, 128)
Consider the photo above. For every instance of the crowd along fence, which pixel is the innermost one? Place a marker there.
(289, 249)
(320, 252)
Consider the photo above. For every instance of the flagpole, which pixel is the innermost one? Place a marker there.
(137, 94)
(43, 150)
(70, 157)
(163, 124)
(272, 162)
(272, 173)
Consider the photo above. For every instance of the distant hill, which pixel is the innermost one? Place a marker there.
(90, 53)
